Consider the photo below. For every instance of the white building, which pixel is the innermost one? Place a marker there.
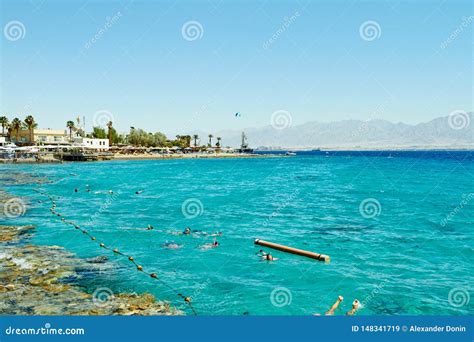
(98, 144)
(3, 141)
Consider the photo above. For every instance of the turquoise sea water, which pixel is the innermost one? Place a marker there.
(407, 259)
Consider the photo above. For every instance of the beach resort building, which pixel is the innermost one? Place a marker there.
(93, 143)
(44, 136)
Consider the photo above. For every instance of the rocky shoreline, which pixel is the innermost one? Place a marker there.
(45, 280)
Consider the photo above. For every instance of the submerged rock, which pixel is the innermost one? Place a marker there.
(44, 280)
(97, 260)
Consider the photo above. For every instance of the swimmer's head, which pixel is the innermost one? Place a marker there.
(187, 230)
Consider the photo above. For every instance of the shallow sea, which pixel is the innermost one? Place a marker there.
(398, 227)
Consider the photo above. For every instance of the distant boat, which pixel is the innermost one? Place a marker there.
(244, 147)
(289, 153)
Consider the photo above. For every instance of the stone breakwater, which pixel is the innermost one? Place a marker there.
(45, 280)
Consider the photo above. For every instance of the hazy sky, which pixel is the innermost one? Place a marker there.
(317, 60)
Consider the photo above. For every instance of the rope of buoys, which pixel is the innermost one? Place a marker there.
(130, 258)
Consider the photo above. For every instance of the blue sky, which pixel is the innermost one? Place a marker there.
(317, 67)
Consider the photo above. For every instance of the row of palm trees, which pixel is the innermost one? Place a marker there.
(210, 136)
(14, 127)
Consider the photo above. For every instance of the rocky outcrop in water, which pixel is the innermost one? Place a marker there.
(44, 280)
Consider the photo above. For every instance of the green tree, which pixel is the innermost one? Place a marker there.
(31, 125)
(4, 122)
(99, 133)
(70, 126)
(109, 132)
(16, 127)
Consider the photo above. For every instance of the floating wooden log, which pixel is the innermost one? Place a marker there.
(320, 257)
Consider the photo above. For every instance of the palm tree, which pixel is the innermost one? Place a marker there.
(218, 144)
(109, 132)
(210, 139)
(31, 125)
(195, 137)
(70, 126)
(9, 131)
(4, 123)
(16, 126)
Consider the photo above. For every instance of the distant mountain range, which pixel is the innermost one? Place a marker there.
(454, 131)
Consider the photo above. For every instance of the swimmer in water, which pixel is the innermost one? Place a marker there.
(187, 231)
(333, 308)
(75, 190)
(207, 234)
(138, 192)
(87, 188)
(214, 244)
(111, 192)
(149, 227)
(171, 245)
(269, 257)
(355, 307)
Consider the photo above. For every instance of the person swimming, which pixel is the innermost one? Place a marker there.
(75, 190)
(333, 308)
(139, 192)
(214, 244)
(149, 227)
(171, 245)
(187, 231)
(355, 307)
(269, 257)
